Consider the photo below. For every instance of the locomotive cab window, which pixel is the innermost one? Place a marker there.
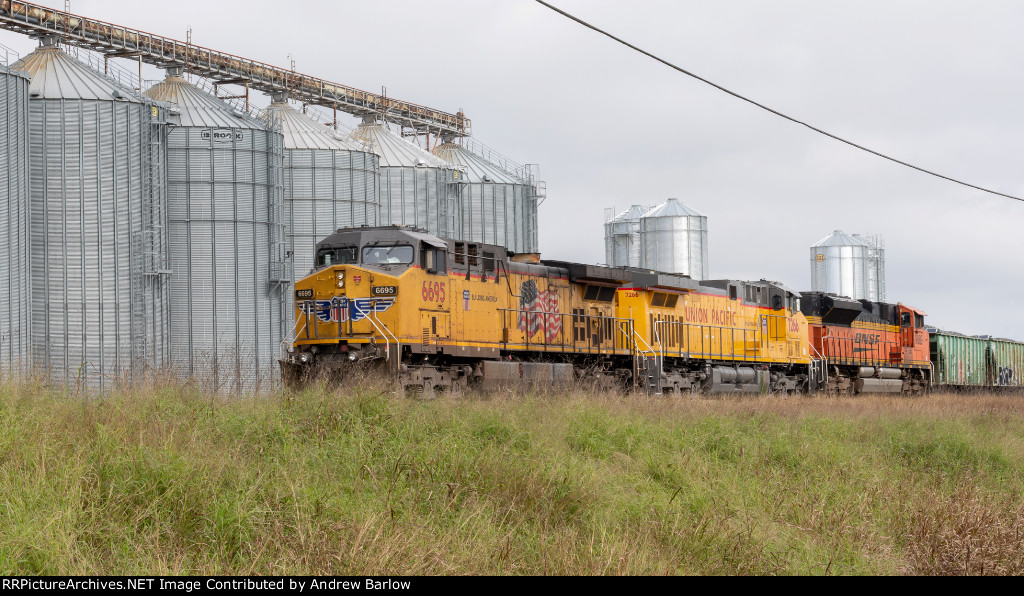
(658, 299)
(433, 260)
(402, 254)
(346, 255)
(906, 320)
(918, 321)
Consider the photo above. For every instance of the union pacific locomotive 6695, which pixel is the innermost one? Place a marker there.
(447, 314)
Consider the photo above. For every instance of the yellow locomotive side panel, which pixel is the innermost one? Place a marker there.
(518, 312)
(530, 313)
(711, 327)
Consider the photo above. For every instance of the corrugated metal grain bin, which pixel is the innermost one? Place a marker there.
(14, 225)
(99, 308)
(849, 265)
(498, 207)
(958, 360)
(622, 237)
(329, 183)
(674, 239)
(1006, 360)
(228, 313)
(417, 188)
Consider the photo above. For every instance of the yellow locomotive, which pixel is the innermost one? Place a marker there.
(447, 314)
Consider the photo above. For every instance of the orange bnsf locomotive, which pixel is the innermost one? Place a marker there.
(867, 347)
(450, 315)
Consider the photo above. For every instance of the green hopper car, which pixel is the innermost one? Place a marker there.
(964, 362)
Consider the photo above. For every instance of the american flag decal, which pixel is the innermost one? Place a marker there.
(539, 310)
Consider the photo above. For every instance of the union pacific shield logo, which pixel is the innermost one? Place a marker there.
(340, 310)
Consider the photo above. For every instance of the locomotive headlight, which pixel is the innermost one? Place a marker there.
(341, 279)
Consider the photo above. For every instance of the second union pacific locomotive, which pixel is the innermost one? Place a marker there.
(448, 314)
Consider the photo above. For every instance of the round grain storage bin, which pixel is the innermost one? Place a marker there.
(674, 238)
(14, 224)
(226, 242)
(417, 189)
(329, 183)
(498, 207)
(622, 237)
(99, 311)
(849, 265)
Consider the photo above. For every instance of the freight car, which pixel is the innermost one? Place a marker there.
(446, 314)
(962, 362)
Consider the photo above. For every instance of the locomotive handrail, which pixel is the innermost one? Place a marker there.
(564, 343)
(398, 343)
(684, 349)
(822, 359)
(644, 349)
(370, 316)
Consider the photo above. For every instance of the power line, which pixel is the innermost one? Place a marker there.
(767, 109)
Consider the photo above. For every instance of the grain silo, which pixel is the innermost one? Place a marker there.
(14, 224)
(498, 207)
(329, 183)
(674, 239)
(622, 237)
(417, 188)
(226, 247)
(849, 265)
(99, 311)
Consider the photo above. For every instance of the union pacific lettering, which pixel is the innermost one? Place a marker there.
(706, 316)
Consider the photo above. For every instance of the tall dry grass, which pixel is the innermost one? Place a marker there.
(169, 479)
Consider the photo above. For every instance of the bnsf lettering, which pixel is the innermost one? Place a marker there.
(867, 338)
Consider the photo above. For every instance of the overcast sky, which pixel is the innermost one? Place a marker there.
(935, 83)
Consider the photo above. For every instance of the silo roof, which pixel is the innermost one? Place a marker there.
(199, 108)
(55, 75)
(838, 238)
(5, 70)
(302, 132)
(634, 213)
(673, 208)
(394, 151)
(477, 168)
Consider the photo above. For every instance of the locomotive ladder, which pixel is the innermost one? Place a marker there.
(646, 365)
(817, 372)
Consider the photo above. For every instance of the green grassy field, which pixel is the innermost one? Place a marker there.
(169, 481)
